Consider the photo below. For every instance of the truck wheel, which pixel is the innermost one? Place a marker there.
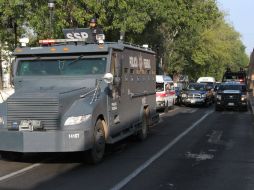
(166, 107)
(12, 156)
(96, 153)
(142, 133)
(173, 105)
(217, 108)
(206, 104)
(244, 109)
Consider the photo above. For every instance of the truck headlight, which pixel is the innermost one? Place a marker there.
(77, 119)
(184, 95)
(243, 97)
(203, 95)
(218, 97)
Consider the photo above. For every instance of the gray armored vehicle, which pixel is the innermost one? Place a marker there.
(76, 96)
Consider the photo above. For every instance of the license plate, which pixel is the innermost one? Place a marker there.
(231, 104)
(29, 125)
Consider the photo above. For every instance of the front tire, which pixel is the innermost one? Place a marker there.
(218, 108)
(96, 153)
(166, 107)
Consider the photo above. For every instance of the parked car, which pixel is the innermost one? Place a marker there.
(165, 92)
(197, 94)
(231, 95)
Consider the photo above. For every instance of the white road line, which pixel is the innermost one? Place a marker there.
(19, 172)
(127, 179)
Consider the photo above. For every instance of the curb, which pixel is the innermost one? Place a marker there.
(250, 103)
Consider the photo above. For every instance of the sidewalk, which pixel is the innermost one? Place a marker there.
(251, 101)
(5, 93)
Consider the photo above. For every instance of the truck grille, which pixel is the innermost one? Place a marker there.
(44, 109)
(194, 96)
(231, 97)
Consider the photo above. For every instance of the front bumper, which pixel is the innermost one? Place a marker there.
(44, 141)
(232, 104)
(194, 101)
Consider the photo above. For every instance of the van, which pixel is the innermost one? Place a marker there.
(211, 82)
(207, 80)
(165, 92)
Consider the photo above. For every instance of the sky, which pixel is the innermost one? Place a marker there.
(240, 14)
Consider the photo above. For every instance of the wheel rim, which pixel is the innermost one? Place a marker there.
(144, 126)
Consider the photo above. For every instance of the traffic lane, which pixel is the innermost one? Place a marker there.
(122, 159)
(219, 154)
(7, 167)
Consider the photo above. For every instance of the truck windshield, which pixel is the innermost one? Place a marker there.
(196, 87)
(70, 67)
(233, 87)
(159, 86)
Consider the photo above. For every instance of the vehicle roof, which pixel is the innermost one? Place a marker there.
(197, 83)
(163, 78)
(72, 48)
(206, 79)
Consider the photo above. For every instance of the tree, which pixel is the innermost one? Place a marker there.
(189, 36)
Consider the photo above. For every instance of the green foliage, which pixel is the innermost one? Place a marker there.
(189, 36)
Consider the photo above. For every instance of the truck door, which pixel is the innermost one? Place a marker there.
(114, 100)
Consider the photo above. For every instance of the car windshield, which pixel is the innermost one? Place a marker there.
(70, 67)
(159, 86)
(196, 87)
(233, 87)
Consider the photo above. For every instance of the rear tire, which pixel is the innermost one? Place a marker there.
(142, 133)
(96, 153)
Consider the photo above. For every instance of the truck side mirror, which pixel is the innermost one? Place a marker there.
(108, 78)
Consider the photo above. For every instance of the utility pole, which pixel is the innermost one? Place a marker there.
(1, 75)
(51, 6)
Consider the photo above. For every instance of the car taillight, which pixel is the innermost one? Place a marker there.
(241, 80)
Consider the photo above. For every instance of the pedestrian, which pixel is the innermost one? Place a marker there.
(95, 29)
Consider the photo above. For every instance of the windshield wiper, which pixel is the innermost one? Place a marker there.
(75, 60)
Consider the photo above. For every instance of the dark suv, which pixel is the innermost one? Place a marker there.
(231, 95)
(197, 94)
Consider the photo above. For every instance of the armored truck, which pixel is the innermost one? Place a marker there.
(74, 96)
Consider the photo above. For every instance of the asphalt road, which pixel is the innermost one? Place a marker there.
(191, 148)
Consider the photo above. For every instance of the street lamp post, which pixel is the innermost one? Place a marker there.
(51, 6)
